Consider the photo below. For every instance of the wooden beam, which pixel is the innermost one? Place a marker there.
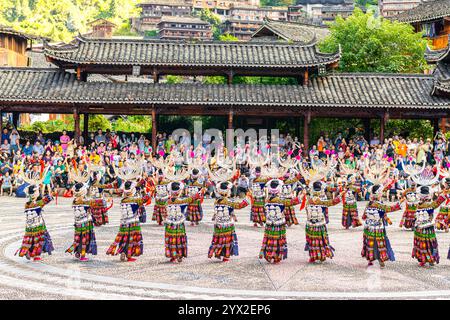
(154, 129)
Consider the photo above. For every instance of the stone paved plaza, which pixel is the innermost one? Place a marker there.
(347, 276)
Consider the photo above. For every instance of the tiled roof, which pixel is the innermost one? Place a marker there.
(290, 31)
(27, 85)
(433, 56)
(9, 30)
(185, 54)
(426, 11)
(184, 19)
(442, 75)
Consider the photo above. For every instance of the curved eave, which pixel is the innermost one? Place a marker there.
(226, 103)
(326, 60)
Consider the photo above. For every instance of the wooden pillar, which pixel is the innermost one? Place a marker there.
(435, 124)
(230, 119)
(366, 122)
(297, 127)
(230, 76)
(155, 76)
(306, 121)
(15, 119)
(1, 121)
(86, 128)
(443, 125)
(306, 77)
(77, 130)
(154, 129)
(383, 121)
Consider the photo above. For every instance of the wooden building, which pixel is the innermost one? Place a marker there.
(320, 93)
(101, 28)
(153, 10)
(184, 28)
(432, 18)
(13, 47)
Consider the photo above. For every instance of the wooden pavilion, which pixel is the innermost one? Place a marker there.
(320, 92)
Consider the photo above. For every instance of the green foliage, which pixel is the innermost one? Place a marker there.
(133, 124)
(174, 79)
(96, 122)
(151, 33)
(62, 19)
(277, 3)
(214, 80)
(410, 128)
(372, 44)
(227, 37)
(47, 126)
(367, 3)
(208, 16)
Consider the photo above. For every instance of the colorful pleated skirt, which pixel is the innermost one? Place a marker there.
(84, 240)
(274, 245)
(376, 245)
(36, 241)
(194, 212)
(128, 241)
(257, 214)
(175, 241)
(318, 243)
(408, 219)
(289, 214)
(224, 242)
(99, 215)
(442, 218)
(159, 213)
(350, 216)
(425, 245)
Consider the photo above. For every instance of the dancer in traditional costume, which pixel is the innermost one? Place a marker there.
(100, 207)
(176, 246)
(36, 239)
(161, 197)
(376, 245)
(409, 215)
(274, 245)
(257, 215)
(442, 219)
(425, 248)
(350, 207)
(287, 193)
(317, 241)
(195, 189)
(84, 237)
(224, 243)
(128, 242)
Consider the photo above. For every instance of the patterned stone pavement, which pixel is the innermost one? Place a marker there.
(347, 276)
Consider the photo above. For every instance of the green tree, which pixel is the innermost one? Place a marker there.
(372, 44)
(213, 19)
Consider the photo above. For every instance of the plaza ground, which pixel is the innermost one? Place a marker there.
(61, 276)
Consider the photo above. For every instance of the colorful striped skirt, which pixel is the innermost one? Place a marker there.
(224, 242)
(257, 214)
(425, 245)
(194, 212)
(350, 216)
(100, 216)
(408, 219)
(35, 241)
(84, 240)
(175, 241)
(376, 245)
(274, 245)
(318, 243)
(289, 214)
(159, 213)
(128, 241)
(442, 218)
